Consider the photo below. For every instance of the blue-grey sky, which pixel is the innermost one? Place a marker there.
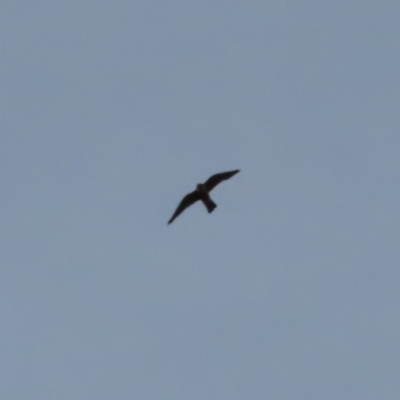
(111, 111)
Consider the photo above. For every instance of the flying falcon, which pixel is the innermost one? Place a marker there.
(202, 193)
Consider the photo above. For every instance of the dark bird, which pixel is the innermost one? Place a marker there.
(202, 193)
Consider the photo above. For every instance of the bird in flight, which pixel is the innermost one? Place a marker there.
(202, 193)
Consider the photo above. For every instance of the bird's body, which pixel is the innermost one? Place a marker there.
(202, 193)
(205, 197)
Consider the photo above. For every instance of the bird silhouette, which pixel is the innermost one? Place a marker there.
(202, 193)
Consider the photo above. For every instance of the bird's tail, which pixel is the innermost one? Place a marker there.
(211, 206)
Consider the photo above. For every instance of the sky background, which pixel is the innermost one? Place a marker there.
(111, 111)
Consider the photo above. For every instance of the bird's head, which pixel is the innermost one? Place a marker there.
(200, 187)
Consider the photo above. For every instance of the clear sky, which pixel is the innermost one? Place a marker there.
(111, 111)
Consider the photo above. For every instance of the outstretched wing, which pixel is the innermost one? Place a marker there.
(214, 180)
(186, 202)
